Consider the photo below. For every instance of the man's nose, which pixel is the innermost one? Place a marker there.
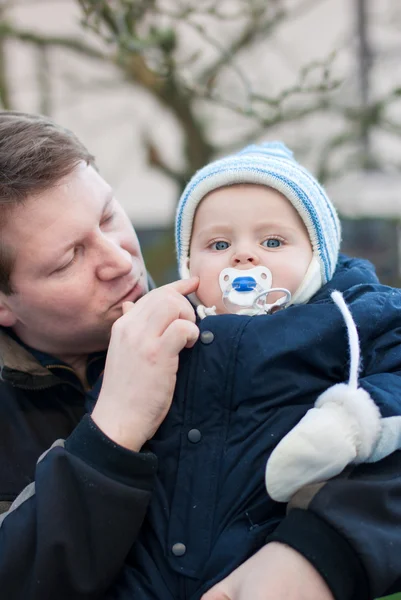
(113, 260)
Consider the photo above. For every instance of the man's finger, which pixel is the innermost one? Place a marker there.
(184, 286)
(178, 335)
(215, 594)
(158, 309)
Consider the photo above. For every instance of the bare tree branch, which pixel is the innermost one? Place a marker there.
(342, 139)
(5, 99)
(155, 160)
(255, 28)
(44, 80)
(9, 32)
(267, 111)
(225, 58)
(28, 2)
(142, 40)
(302, 9)
(167, 89)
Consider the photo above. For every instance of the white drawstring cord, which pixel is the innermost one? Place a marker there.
(353, 338)
(389, 439)
(204, 311)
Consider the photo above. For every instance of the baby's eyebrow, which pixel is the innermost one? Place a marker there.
(213, 229)
(275, 226)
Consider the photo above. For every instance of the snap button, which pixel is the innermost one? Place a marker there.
(179, 549)
(194, 436)
(207, 337)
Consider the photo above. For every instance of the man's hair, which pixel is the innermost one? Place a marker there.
(35, 153)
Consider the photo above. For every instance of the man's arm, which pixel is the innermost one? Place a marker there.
(66, 535)
(362, 506)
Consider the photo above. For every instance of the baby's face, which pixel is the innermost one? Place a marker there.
(243, 226)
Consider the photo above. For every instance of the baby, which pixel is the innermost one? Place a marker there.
(262, 235)
(263, 238)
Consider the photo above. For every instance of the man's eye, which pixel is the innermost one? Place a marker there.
(220, 245)
(107, 218)
(67, 265)
(272, 243)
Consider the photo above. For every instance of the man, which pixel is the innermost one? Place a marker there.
(70, 266)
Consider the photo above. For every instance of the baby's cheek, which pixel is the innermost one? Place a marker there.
(295, 278)
(209, 292)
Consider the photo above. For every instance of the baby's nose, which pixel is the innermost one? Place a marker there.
(245, 257)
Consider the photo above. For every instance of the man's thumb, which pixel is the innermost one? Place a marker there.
(127, 306)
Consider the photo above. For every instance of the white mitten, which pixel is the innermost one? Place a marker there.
(343, 427)
(389, 440)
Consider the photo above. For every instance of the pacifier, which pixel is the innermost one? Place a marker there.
(245, 292)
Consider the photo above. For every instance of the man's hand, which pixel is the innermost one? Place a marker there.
(142, 362)
(276, 572)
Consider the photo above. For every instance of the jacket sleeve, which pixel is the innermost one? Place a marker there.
(67, 534)
(349, 528)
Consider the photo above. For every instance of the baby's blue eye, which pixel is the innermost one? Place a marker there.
(220, 245)
(272, 243)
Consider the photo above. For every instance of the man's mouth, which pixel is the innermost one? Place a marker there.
(133, 294)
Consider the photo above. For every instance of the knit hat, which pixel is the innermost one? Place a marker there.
(270, 164)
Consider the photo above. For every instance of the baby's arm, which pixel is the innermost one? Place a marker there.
(346, 426)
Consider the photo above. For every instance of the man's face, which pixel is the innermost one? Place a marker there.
(77, 258)
(243, 226)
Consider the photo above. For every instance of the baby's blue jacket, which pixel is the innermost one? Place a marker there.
(244, 385)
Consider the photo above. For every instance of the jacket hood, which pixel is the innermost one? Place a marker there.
(349, 273)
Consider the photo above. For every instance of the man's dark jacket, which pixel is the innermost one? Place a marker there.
(79, 509)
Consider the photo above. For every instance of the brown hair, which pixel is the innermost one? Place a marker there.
(35, 153)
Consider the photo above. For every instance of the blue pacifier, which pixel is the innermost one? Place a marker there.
(245, 291)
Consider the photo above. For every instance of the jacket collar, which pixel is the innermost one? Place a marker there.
(19, 367)
(350, 272)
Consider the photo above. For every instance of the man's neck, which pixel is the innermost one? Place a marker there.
(78, 364)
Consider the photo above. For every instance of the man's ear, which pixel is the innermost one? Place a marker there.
(7, 317)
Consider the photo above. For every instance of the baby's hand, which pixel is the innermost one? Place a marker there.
(344, 427)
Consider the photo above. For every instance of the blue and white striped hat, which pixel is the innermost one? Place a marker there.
(270, 164)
